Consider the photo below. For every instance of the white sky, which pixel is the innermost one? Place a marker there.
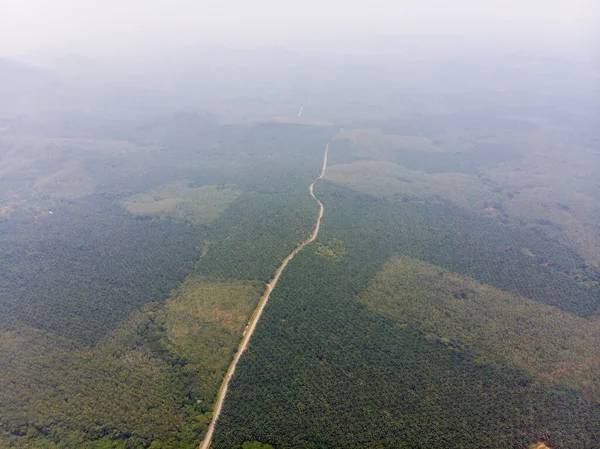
(142, 25)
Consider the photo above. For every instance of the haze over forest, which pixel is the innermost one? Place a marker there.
(300, 225)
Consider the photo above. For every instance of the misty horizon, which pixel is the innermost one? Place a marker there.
(308, 224)
(37, 29)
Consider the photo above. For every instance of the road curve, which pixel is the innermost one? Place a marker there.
(259, 310)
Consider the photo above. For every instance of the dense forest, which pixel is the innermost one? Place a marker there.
(451, 299)
(119, 315)
(90, 250)
(404, 385)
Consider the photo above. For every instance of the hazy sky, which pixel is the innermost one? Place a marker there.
(142, 25)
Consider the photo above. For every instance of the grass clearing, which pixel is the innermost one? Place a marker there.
(534, 174)
(503, 328)
(180, 201)
(158, 373)
(206, 319)
(331, 249)
(391, 180)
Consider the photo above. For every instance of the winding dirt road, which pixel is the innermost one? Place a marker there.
(259, 309)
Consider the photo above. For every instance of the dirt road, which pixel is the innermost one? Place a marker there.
(259, 309)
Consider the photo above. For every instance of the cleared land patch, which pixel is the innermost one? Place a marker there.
(331, 249)
(204, 324)
(503, 328)
(158, 373)
(391, 180)
(180, 201)
(531, 175)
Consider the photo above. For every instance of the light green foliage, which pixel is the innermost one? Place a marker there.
(333, 372)
(548, 184)
(38, 173)
(504, 328)
(94, 352)
(527, 252)
(392, 180)
(154, 378)
(115, 387)
(178, 200)
(372, 143)
(331, 249)
(206, 247)
(204, 324)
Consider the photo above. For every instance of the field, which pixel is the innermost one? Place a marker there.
(197, 205)
(132, 272)
(153, 379)
(526, 175)
(503, 329)
(409, 383)
(451, 299)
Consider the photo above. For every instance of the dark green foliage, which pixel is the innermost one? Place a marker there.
(460, 161)
(459, 241)
(277, 158)
(266, 158)
(255, 234)
(151, 381)
(255, 445)
(323, 371)
(183, 132)
(81, 270)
